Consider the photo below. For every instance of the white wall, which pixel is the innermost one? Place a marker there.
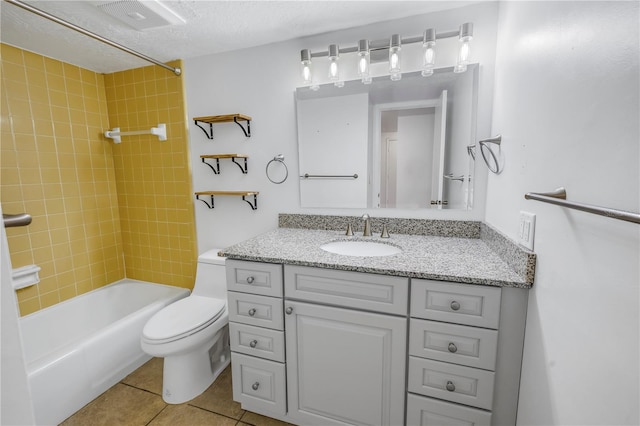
(566, 103)
(261, 82)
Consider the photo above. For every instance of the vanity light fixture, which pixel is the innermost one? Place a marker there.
(429, 52)
(373, 51)
(364, 61)
(464, 53)
(395, 46)
(305, 61)
(334, 70)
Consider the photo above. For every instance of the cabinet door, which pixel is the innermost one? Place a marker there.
(343, 366)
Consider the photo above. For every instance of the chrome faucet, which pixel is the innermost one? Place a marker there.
(367, 225)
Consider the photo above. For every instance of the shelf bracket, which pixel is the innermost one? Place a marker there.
(247, 132)
(243, 168)
(208, 133)
(254, 206)
(216, 168)
(204, 201)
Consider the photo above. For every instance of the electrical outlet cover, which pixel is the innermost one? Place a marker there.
(526, 229)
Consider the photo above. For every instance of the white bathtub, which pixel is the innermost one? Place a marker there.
(79, 348)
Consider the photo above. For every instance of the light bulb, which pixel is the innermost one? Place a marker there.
(305, 61)
(464, 53)
(429, 53)
(363, 61)
(334, 70)
(394, 57)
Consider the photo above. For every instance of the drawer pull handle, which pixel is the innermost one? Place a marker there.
(452, 348)
(256, 385)
(253, 343)
(450, 386)
(289, 310)
(252, 312)
(250, 280)
(455, 306)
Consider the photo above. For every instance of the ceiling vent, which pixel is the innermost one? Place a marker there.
(141, 15)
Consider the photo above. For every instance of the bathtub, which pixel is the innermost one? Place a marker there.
(77, 349)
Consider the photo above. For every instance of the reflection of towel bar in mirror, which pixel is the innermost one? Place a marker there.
(450, 176)
(115, 134)
(308, 176)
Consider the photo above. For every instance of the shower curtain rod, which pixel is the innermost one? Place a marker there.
(29, 8)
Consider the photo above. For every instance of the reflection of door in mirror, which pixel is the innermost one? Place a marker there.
(389, 165)
(413, 136)
(439, 151)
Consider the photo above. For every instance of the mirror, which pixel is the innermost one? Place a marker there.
(389, 144)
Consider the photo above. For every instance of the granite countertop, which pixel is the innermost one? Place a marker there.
(464, 260)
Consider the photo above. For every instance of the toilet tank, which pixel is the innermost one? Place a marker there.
(211, 279)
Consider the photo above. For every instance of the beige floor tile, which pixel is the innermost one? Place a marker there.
(258, 420)
(147, 377)
(219, 397)
(120, 405)
(186, 415)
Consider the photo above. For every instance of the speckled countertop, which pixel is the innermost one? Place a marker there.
(464, 260)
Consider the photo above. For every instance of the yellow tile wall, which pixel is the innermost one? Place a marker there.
(96, 206)
(153, 178)
(56, 166)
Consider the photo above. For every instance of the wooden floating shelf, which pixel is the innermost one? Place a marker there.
(242, 194)
(228, 118)
(217, 157)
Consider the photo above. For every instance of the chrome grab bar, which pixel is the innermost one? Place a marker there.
(559, 196)
(13, 220)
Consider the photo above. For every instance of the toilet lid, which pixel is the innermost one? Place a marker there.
(183, 318)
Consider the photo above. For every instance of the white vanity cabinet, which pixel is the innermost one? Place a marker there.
(465, 352)
(346, 347)
(314, 346)
(256, 334)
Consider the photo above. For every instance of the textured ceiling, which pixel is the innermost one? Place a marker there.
(211, 27)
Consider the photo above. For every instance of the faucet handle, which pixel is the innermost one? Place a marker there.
(385, 232)
(349, 232)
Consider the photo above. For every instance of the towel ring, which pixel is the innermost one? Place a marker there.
(280, 159)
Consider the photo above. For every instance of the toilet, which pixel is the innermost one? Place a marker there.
(192, 334)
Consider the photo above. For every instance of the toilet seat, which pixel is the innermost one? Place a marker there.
(182, 318)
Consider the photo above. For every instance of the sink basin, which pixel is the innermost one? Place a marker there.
(361, 248)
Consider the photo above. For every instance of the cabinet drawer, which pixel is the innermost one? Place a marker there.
(257, 341)
(258, 384)
(458, 344)
(379, 293)
(255, 310)
(254, 277)
(456, 383)
(458, 303)
(422, 411)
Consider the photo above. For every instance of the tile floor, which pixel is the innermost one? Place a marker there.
(137, 400)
